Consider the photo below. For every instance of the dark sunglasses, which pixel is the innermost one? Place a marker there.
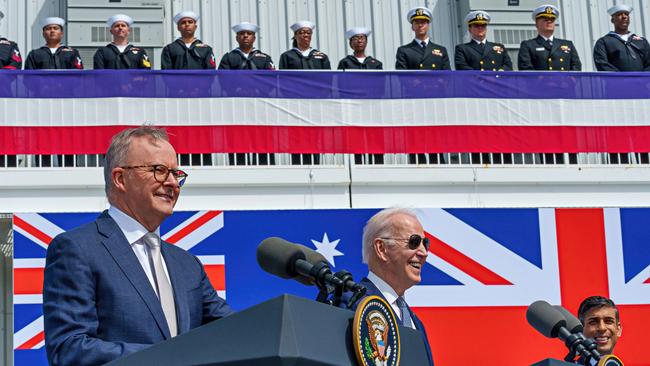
(413, 241)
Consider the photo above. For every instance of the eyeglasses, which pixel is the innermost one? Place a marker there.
(358, 38)
(161, 172)
(413, 241)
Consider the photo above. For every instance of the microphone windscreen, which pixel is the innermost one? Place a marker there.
(545, 318)
(278, 257)
(572, 323)
(312, 256)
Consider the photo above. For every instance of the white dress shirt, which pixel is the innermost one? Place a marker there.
(134, 231)
(389, 294)
(419, 41)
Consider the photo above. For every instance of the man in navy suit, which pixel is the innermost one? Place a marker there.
(112, 287)
(395, 249)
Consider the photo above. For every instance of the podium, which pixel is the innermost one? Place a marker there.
(286, 331)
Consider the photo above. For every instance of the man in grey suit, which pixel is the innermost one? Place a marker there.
(113, 287)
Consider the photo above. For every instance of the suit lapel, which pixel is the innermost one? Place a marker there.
(371, 290)
(475, 46)
(428, 50)
(487, 48)
(555, 47)
(180, 291)
(121, 251)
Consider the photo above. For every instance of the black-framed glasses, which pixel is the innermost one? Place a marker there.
(414, 241)
(161, 172)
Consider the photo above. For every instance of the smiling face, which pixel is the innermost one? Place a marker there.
(401, 267)
(600, 324)
(137, 192)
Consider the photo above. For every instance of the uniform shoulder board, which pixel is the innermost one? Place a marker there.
(4, 41)
(637, 38)
(66, 49)
(200, 45)
(261, 54)
(135, 49)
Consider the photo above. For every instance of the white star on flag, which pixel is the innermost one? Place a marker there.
(327, 248)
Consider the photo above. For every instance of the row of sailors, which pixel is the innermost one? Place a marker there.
(619, 50)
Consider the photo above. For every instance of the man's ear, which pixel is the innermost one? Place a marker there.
(117, 177)
(381, 249)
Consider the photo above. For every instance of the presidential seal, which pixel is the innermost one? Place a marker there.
(375, 335)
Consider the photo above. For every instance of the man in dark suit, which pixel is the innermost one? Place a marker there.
(421, 53)
(187, 52)
(546, 52)
(112, 287)
(478, 53)
(620, 49)
(395, 249)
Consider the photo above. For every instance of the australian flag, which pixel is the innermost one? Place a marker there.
(483, 268)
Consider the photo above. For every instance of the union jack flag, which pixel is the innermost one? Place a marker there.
(484, 268)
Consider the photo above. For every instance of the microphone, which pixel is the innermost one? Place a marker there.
(288, 260)
(575, 327)
(552, 322)
(572, 323)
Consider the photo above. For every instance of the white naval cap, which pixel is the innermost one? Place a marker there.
(419, 12)
(619, 8)
(119, 18)
(302, 24)
(185, 14)
(546, 11)
(246, 26)
(52, 21)
(357, 30)
(477, 17)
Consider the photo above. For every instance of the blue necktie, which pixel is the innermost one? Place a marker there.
(405, 315)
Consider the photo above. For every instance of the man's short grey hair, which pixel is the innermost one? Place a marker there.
(119, 149)
(380, 226)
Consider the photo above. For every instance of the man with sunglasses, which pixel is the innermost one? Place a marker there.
(113, 287)
(395, 249)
